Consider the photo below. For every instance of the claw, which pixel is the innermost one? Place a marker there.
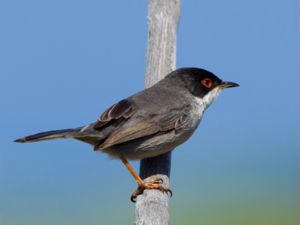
(136, 193)
(153, 184)
(169, 191)
(133, 199)
(166, 190)
(157, 181)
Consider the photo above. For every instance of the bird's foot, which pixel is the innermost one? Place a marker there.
(152, 184)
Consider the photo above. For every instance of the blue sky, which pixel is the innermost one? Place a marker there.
(64, 62)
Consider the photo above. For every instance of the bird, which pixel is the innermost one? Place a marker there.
(149, 123)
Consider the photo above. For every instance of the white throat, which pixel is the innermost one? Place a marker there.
(211, 96)
(203, 103)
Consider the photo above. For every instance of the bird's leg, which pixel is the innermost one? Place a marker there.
(142, 185)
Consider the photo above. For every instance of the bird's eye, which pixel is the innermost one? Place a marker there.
(206, 82)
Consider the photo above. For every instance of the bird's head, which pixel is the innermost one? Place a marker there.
(202, 84)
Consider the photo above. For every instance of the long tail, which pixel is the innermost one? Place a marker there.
(48, 135)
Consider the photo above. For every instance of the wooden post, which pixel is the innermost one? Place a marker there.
(152, 208)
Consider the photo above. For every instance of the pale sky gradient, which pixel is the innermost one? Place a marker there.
(64, 62)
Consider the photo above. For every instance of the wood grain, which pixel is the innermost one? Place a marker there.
(152, 208)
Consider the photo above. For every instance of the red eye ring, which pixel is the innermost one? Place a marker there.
(206, 82)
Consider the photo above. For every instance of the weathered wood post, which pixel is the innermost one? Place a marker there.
(152, 208)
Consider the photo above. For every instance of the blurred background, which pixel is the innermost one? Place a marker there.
(64, 62)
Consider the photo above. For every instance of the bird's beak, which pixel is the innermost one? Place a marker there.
(226, 84)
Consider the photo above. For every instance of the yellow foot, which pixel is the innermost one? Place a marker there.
(152, 184)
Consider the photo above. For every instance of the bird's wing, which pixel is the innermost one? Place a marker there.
(122, 110)
(144, 126)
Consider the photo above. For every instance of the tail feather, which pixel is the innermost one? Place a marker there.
(48, 135)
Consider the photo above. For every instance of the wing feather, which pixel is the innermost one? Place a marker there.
(123, 109)
(126, 126)
(140, 127)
